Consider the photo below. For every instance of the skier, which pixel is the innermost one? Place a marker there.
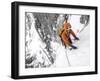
(65, 35)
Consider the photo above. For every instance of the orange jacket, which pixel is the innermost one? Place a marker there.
(65, 36)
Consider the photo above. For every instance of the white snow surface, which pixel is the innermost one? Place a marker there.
(61, 58)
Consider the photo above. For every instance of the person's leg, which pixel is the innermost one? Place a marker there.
(69, 43)
(70, 40)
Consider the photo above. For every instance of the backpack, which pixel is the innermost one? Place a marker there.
(60, 31)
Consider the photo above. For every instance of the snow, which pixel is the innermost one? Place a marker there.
(75, 23)
(61, 60)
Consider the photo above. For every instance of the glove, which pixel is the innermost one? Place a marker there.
(76, 38)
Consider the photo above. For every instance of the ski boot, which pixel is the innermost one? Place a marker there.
(74, 47)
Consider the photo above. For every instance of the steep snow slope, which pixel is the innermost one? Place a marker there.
(61, 58)
(78, 57)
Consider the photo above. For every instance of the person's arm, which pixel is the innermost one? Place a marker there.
(73, 34)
